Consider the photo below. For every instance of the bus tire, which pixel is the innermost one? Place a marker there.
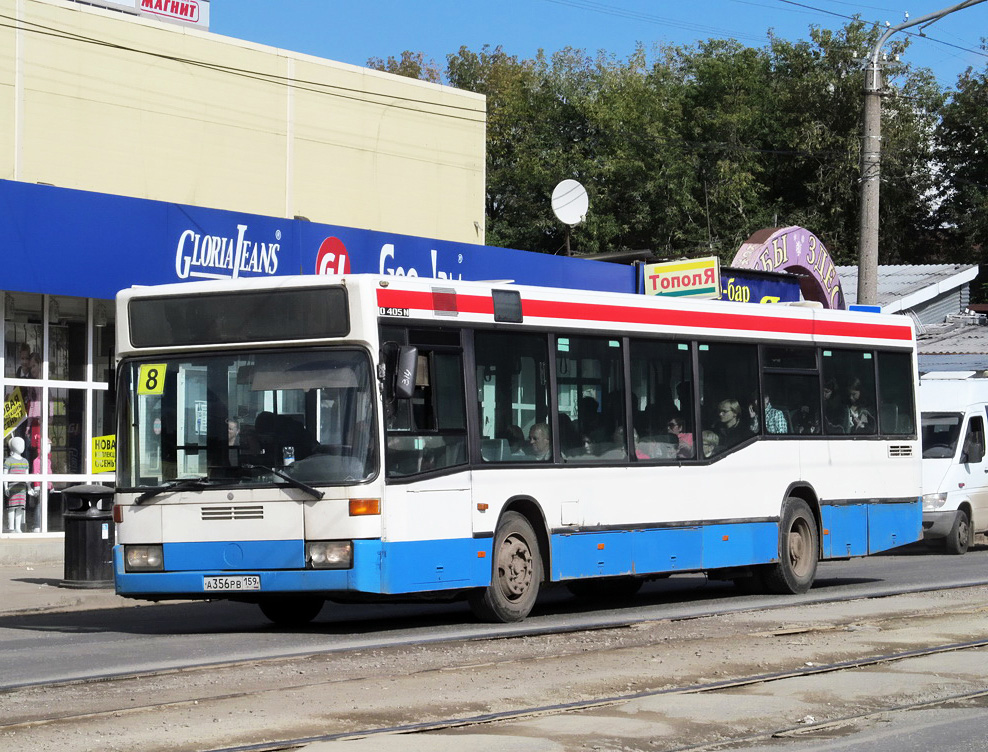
(959, 538)
(294, 611)
(516, 573)
(798, 551)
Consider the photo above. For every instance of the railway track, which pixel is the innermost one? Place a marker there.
(748, 681)
(451, 688)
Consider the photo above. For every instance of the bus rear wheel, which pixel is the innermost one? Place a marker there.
(799, 548)
(293, 611)
(516, 573)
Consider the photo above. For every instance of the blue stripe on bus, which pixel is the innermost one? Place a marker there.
(392, 568)
(845, 530)
(611, 553)
(889, 526)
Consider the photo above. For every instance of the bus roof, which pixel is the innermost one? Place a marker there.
(384, 298)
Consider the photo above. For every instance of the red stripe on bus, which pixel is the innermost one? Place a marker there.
(424, 301)
(598, 312)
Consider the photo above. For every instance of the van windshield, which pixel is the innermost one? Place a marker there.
(940, 434)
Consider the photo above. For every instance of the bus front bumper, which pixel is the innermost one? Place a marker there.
(194, 570)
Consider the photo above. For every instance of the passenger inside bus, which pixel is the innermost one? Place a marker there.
(860, 418)
(730, 429)
(538, 437)
(684, 439)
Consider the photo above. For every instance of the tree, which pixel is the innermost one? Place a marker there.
(686, 151)
(962, 150)
(411, 65)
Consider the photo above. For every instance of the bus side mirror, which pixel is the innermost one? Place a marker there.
(406, 361)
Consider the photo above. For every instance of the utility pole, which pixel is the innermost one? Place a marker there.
(871, 154)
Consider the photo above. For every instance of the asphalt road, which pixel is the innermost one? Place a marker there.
(44, 648)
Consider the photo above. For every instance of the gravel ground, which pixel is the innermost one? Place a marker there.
(349, 693)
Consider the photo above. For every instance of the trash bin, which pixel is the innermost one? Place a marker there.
(89, 536)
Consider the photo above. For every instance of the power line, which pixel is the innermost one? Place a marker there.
(917, 35)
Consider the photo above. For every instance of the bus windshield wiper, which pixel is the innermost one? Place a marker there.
(182, 484)
(315, 492)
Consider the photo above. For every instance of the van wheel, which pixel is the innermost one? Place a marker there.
(516, 575)
(959, 539)
(798, 551)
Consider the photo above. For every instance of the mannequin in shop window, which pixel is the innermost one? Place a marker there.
(32, 396)
(35, 490)
(15, 492)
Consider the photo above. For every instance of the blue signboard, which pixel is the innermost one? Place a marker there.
(748, 286)
(68, 242)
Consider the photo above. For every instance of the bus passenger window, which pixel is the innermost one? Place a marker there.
(512, 393)
(662, 379)
(591, 400)
(728, 378)
(896, 413)
(852, 374)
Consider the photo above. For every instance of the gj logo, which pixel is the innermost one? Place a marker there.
(332, 257)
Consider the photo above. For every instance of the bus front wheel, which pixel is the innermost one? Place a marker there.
(293, 611)
(516, 573)
(798, 551)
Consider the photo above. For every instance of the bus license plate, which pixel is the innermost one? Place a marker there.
(243, 582)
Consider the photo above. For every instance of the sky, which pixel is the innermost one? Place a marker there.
(353, 31)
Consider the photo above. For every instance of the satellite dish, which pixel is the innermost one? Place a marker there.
(570, 203)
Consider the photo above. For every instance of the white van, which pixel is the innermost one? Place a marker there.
(954, 406)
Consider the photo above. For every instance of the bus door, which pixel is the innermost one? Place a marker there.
(425, 446)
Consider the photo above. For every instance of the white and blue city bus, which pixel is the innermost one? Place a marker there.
(294, 440)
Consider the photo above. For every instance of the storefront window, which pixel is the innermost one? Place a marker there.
(56, 506)
(55, 396)
(67, 338)
(65, 429)
(23, 334)
(103, 340)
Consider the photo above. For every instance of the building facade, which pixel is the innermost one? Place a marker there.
(116, 129)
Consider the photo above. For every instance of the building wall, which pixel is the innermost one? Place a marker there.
(138, 108)
(936, 310)
(94, 100)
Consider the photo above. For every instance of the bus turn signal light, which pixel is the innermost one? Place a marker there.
(361, 507)
(117, 514)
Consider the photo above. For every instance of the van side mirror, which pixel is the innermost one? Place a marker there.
(406, 361)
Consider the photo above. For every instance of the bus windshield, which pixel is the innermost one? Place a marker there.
(248, 418)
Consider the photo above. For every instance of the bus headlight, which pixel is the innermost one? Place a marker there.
(143, 559)
(329, 554)
(932, 502)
